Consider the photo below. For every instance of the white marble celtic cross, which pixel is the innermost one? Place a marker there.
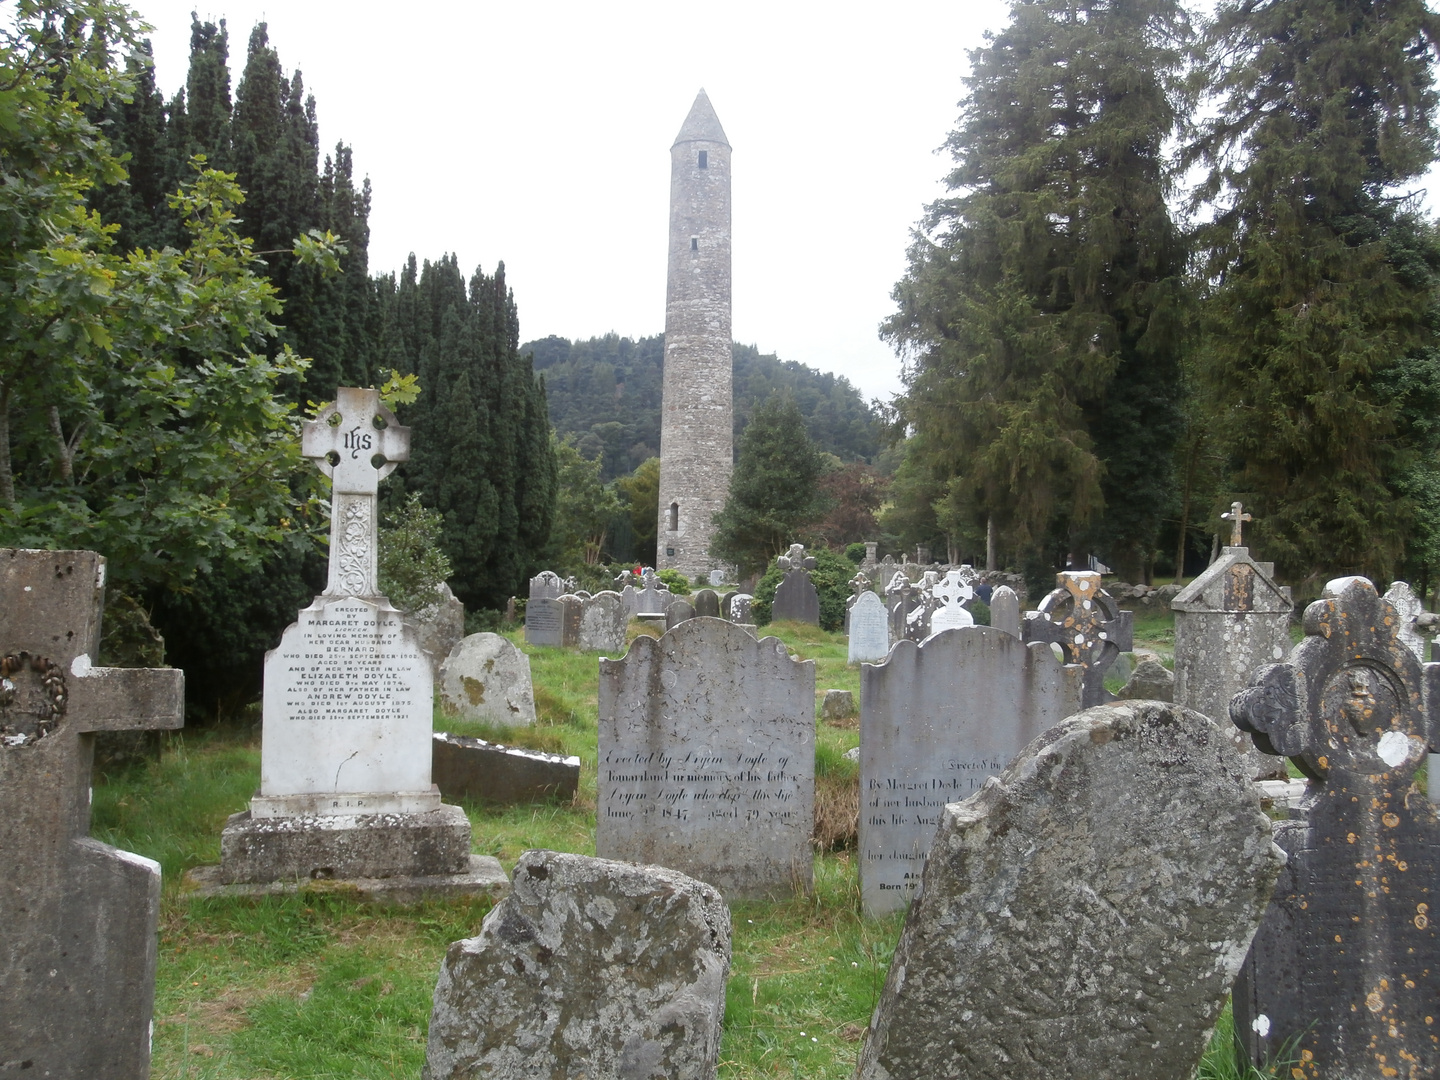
(357, 442)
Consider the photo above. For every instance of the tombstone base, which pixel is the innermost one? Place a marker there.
(484, 876)
(287, 849)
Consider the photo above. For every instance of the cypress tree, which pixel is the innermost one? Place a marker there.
(206, 105)
(1038, 314)
(1324, 109)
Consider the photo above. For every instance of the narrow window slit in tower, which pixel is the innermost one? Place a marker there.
(704, 159)
(674, 517)
(694, 243)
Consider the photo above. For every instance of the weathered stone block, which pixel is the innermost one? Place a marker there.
(1083, 914)
(589, 968)
(466, 768)
(1150, 681)
(838, 705)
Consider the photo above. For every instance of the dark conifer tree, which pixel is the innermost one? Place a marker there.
(206, 105)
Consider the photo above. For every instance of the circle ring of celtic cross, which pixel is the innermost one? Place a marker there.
(32, 698)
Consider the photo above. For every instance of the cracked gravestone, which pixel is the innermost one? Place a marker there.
(707, 758)
(77, 971)
(1083, 914)
(1345, 971)
(1088, 626)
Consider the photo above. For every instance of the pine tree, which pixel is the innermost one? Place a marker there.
(206, 105)
(1325, 110)
(1038, 314)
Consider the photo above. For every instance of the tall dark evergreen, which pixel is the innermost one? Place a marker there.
(480, 430)
(1039, 317)
(206, 106)
(1325, 113)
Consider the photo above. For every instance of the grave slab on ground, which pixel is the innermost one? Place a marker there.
(707, 758)
(345, 785)
(1345, 971)
(1084, 913)
(79, 918)
(936, 721)
(589, 968)
(466, 768)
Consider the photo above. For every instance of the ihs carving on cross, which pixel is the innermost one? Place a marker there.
(1237, 517)
(357, 442)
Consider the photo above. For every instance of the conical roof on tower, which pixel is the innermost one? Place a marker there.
(702, 125)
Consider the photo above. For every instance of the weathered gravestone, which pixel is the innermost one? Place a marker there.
(717, 578)
(1408, 609)
(739, 609)
(795, 596)
(653, 597)
(1150, 681)
(725, 603)
(588, 969)
(950, 594)
(79, 918)
(707, 758)
(707, 603)
(937, 720)
(838, 705)
(440, 625)
(345, 786)
(545, 622)
(869, 629)
(572, 610)
(858, 584)
(467, 768)
(602, 624)
(900, 598)
(546, 585)
(1005, 610)
(679, 611)
(1087, 624)
(1229, 622)
(486, 678)
(1084, 913)
(1345, 971)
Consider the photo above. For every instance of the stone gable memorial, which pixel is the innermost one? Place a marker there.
(707, 758)
(1084, 914)
(1230, 622)
(1345, 971)
(1088, 626)
(345, 785)
(79, 918)
(936, 721)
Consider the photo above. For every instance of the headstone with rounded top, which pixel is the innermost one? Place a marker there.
(547, 585)
(1408, 609)
(679, 611)
(487, 679)
(869, 629)
(1005, 610)
(706, 603)
(1344, 974)
(716, 578)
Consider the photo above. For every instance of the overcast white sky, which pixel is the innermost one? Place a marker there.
(539, 133)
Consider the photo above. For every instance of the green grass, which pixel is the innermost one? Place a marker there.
(321, 986)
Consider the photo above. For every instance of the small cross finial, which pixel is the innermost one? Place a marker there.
(1236, 517)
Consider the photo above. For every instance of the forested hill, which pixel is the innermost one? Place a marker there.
(606, 392)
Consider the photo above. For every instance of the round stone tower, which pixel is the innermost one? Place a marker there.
(696, 422)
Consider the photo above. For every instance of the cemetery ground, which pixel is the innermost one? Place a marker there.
(321, 985)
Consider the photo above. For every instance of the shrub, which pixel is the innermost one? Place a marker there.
(679, 584)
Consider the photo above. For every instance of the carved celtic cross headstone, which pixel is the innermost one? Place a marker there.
(1347, 962)
(1087, 624)
(949, 595)
(357, 442)
(79, 918)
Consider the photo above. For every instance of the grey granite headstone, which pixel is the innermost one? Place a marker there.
(1084, 913)
(79, 918)
(725, 600)
(602, 624)
(796, 599)
(440, 627)
(589, 968)
(1087, 624)
(1345, 970)
(544, 621)
(679, 611)
(707, 603)
(1005, 610)
(869, 629)
(707, 758)
(653, 599)
(486, 678)
(546, 585)
(572, 608)
(937, 720)
(1230, 621)
(467, 768)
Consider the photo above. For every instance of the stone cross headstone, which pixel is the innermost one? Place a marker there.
(707, 604)
(654, 597)
(588, 969)
(1005, 610)
(1087, 624)
(869, 629)
(348, 705)
(937, 720)
(795, 597)
(1230, 622)
(950, 594)
(899, 598)
(1084, 913)
(544, 621)
(602, 623)
(1345, 971)
(707, 758)
(79, 918)
(858, 584)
